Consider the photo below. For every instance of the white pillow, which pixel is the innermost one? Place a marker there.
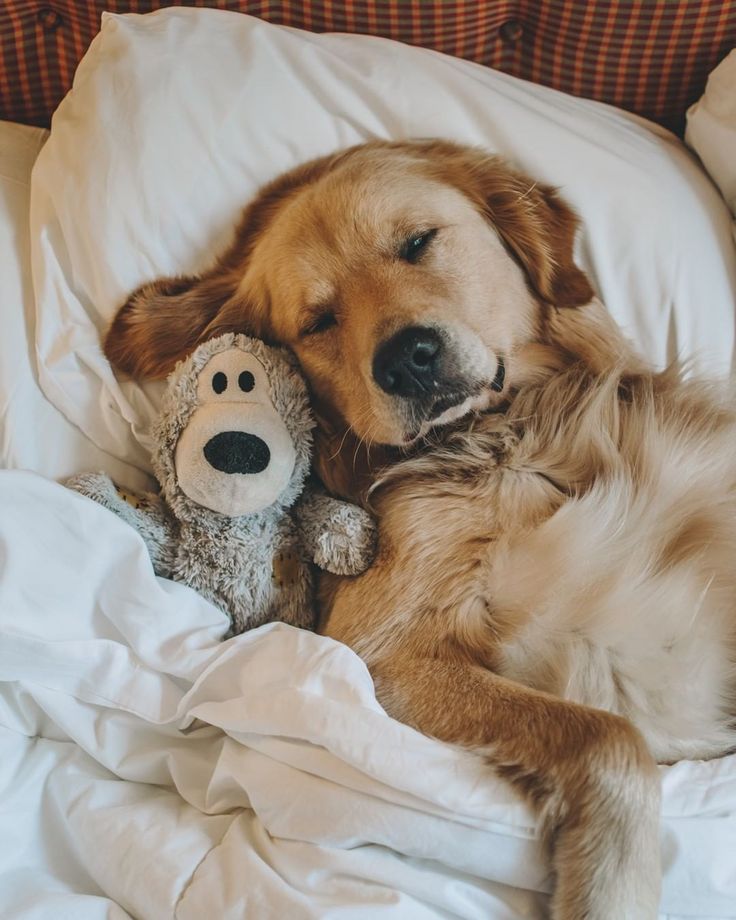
(34, 435)
(176, 118)
(711, 128)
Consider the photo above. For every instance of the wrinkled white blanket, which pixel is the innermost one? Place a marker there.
(149, 769)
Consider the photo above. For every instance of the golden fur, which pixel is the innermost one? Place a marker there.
(555, 586)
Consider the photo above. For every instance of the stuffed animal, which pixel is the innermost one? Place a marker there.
(237, 518)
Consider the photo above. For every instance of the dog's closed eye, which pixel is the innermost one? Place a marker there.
(319, 323)
(415, 247)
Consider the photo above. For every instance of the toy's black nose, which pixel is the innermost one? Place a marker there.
(237, 452)
(407, 364)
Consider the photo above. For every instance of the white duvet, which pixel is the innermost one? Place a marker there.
(150, 769)
(147, 768)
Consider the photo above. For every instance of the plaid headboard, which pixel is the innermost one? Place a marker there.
(649, 56)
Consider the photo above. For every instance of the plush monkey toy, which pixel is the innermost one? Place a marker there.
(236, 518)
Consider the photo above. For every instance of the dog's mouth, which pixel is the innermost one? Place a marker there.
(499, 380)
(452, 406)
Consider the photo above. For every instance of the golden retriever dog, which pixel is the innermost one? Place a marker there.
(555, 586)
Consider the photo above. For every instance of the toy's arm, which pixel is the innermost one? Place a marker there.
(145, 512)
(340, 537)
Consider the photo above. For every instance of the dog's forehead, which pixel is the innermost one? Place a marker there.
(233, 375)
(360, 205)
(344, 219)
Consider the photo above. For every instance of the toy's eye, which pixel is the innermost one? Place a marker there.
(246, 381)
(219, 382)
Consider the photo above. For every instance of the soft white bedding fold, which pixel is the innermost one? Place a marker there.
(178, 775)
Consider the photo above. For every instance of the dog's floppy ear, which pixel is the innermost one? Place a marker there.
(540, 229)
(162, 321)
(535, 224)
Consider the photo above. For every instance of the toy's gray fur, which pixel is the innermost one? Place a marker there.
(254, 567)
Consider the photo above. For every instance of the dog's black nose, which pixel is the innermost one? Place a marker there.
(237, 452)
(407, 364)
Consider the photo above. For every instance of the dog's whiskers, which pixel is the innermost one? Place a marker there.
(342, 442)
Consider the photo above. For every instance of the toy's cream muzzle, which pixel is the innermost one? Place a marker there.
(235, 455)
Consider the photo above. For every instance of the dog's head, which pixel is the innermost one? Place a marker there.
(407, 278)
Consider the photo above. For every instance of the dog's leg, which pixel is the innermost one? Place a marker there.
(587, 773)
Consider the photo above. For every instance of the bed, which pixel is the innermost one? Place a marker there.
(148, 768)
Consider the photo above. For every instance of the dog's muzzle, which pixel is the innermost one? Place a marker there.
(237, 452)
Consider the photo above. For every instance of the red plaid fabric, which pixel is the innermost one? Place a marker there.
(648, 56)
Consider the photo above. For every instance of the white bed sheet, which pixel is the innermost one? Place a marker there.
(148, 765)
(150, 770)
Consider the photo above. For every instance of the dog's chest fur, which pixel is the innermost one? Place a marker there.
(583, 543)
